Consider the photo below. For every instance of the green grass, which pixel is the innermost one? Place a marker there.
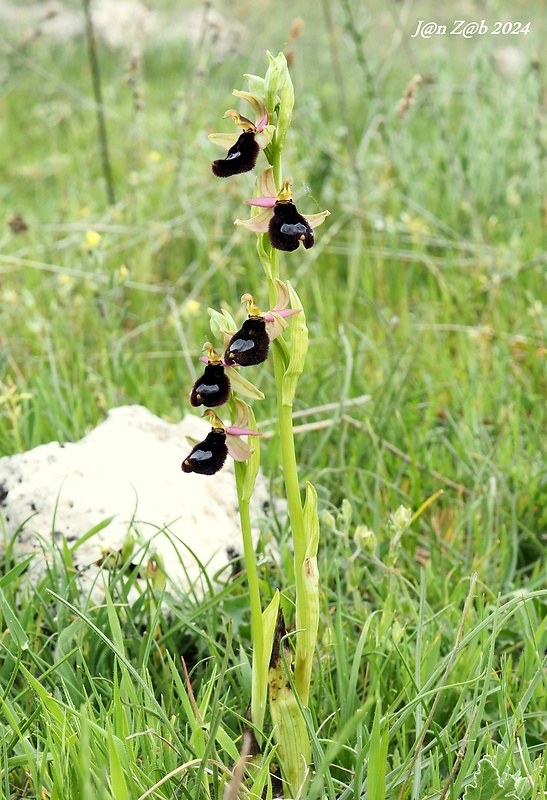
(424, 291)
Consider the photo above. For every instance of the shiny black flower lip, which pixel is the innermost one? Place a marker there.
(209, 456)
(287, 228)
(241, 157)
(212, 388)
(249, 346)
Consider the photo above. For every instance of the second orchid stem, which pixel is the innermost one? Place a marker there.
(290, 470)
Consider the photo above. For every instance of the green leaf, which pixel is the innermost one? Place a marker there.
(51, 706)
(14, 573)
(260, 668)
(90, 533)
(487, 783)
(12, 623)
(298, 349)
(377, 760)
(307, 609)
(117, 779)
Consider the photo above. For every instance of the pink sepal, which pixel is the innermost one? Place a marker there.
(281, 312)
(233, 431)
(262, 202)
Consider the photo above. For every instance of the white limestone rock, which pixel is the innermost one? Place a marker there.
(128, 468)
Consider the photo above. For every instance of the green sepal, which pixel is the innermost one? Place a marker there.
(256, 87)
(244, 387)
(298, 350)
(221, 321)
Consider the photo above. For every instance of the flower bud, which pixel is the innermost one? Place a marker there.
(155, 572)
(272, 83)
(347, 512)
(401, 519)
(365, 539)
(286, 105)
(328, 519)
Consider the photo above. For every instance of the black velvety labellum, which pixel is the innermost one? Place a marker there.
(249, 345)
(288, 228)
(241, 157)
(212, 388)
(208, 456)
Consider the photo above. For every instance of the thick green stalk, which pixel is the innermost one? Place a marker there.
(258, 699)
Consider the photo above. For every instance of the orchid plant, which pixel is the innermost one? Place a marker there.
(279, 226)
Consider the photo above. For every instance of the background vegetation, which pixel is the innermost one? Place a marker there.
(423, 292)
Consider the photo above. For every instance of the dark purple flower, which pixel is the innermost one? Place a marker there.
(287, 228)
(241, 157)
(249, 345)
(213, 387)
(208, 456)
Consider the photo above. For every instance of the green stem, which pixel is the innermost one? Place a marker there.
(286, 435)
(258, 698)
